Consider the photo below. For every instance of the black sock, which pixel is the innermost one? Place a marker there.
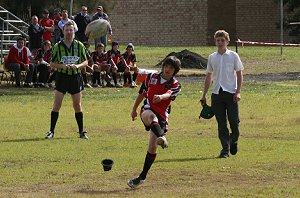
(149, 159)
(129, 78)
(134, 76)
(79, 119)
(156, 129)
(84, 78)
(54, 117)
(125, 78)
(114, 76)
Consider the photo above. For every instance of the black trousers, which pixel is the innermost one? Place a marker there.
(16, 67)
(225, 108)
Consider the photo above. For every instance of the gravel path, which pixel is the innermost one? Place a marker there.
(251, 77)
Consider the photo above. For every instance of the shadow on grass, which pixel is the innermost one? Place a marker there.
(32, 140)
(187, 159)
(12, 91)
(95, 192)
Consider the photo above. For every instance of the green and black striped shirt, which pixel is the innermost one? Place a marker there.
(75, 54)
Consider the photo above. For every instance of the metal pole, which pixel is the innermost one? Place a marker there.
(281, 26)
(71, 9)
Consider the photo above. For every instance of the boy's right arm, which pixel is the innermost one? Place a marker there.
(207, 83)
(137, 102)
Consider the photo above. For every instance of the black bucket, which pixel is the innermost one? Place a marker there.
(107, 164)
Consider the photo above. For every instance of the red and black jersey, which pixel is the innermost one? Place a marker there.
(46, 56)
(129, 58)
(153, 85)
(100, 58)
(114, 55)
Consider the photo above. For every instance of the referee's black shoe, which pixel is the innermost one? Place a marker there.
(83, 135)
(50, 135)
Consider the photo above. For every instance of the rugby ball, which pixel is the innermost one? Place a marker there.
(97, 28)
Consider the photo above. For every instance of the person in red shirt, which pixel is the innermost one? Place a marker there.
(99, 64)
(113, 58)
(48, 25)
(158, 89)
(127, 64)
(18, 60)
(43, 58)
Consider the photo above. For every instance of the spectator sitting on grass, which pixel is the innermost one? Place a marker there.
(113, 57)
(43, 57)
(100, 64)
(18, 60)
(127, 64)
(89, 67)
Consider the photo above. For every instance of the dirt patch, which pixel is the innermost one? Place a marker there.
(248, 77)
(188, 59)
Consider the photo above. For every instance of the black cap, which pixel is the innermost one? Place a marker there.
(57, 10)
(45, 11)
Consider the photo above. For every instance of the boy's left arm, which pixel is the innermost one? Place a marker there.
(237, 95)
(170, 94)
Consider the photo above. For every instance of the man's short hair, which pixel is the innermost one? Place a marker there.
(68, 23)
(222, 33)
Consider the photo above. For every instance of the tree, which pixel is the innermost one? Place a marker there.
(292, 14)
(36, 7)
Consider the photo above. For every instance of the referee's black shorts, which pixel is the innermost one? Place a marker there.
(72, 84)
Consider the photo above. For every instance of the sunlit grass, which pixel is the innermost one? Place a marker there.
(266, 165)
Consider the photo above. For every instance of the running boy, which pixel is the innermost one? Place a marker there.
(158, 89)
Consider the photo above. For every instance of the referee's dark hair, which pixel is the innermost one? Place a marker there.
(173, 61)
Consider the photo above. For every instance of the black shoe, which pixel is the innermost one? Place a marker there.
(223, 155)
(233, 148)
(83, 135)
(133, 183)
(108, 84)
(50, 135)
(27, 85)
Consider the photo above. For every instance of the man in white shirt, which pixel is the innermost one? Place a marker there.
(224, 69)
(63, 21)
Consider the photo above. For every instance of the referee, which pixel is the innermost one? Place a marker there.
(68, 58)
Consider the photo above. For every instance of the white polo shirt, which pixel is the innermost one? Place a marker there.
(223, 69)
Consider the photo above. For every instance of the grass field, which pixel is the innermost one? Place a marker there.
(256, 59)
(267, 164)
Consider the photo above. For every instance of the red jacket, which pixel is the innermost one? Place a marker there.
(17, 55)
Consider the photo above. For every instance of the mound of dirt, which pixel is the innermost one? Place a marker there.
(188, 59)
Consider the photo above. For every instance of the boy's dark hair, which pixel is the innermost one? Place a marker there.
(21, 39)
(114, 43)
(173, 61)
(100, 45)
